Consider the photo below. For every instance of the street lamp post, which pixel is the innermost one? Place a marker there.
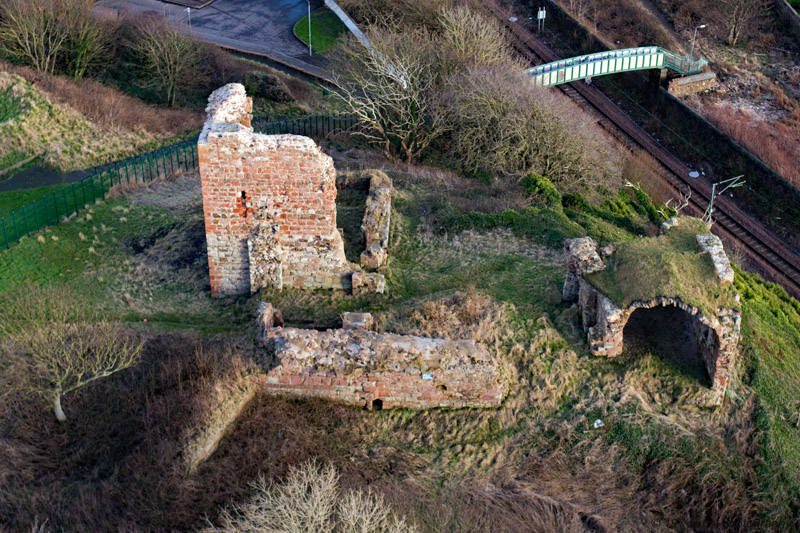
(700, 27)
(309, 26)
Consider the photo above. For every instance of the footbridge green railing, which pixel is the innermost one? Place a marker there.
(71, 198)
(613, 62)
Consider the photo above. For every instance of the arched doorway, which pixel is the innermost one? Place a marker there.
(671, 334)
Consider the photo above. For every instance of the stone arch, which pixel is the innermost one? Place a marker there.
(675, 335)
(717, 335)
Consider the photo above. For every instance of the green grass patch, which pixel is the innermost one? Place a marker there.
(549, 227)
(10, 105)
(13, 200)
(325, 30)
(771, 348)
(667, 265)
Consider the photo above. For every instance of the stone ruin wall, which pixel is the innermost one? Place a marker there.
(604, 321)
(269, 203)
(360, 367)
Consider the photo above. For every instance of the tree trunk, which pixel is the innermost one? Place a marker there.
(60, 416)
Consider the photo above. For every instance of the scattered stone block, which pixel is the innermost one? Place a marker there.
(368, 282)
(712, 245)
(357, 321)
(373, 258)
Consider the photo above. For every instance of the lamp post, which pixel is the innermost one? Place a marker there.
(700, 27)
(309, 26)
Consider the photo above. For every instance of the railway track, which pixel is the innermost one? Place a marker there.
(776, 258)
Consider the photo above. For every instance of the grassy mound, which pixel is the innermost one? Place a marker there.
(65, 139)
(667, 265)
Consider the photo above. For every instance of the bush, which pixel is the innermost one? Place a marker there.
(541, 187)
(500, 127)
(310, 500)
(265, 85)
(574, 201)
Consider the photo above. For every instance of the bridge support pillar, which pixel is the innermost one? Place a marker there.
(658, 78)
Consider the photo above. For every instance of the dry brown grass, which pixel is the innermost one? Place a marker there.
(107, 107)
(776, 143)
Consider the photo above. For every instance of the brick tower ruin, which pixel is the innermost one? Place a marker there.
(269, 204)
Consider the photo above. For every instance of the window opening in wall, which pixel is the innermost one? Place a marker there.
(244, 204)
(377, 405)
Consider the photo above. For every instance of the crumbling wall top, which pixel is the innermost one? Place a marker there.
(228, 110)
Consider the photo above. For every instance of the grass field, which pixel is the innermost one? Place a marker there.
(13, 200)
(325, 30)
(466, 260)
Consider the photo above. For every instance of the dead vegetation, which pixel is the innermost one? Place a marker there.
(107, 107)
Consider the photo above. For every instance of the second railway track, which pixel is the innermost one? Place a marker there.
(774, 255)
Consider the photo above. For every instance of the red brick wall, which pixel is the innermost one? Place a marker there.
(283, 183)
(453, 388)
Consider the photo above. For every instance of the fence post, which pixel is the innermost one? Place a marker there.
(35, 215)
(25, 218)
(16, 229)
(5, 233)
(55, 204)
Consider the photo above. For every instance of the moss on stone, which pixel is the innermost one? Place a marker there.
(668, 265)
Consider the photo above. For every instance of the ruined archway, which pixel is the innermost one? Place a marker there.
(676, 287)
(672, 335)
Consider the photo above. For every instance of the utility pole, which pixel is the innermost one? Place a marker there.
(728, 184)
(309, 26)
(189, 15)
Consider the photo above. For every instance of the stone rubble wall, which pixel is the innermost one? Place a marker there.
(374, 370)
(269, 203)
(712, 245)
(604, 321)
(377, 221)
(696, 83)
(582, 258)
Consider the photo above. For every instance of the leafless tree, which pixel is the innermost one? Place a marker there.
(740, 16)
(390, 88)
(53, 344)
(32, 32)
(89, 36)
(171, 59)
(500, 126)
(469, 38)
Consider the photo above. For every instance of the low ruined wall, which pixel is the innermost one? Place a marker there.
(374, 370)
(376, 221)
(696, 83)
(269, 204)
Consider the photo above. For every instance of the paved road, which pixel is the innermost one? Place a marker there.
(260, 26)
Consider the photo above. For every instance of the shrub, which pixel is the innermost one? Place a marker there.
(541, 187)
(310, 500)
(499, 127)
(574, 201)
(266, 85)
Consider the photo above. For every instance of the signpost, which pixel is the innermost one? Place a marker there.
(540, 16)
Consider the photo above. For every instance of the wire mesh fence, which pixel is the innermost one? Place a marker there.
(70, 199)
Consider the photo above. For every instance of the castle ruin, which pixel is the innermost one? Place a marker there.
(269, 204)
(716, 329)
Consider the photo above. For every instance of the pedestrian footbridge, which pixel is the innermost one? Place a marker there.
(613, 62)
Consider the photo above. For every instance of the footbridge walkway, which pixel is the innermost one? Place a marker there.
(613, 62)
